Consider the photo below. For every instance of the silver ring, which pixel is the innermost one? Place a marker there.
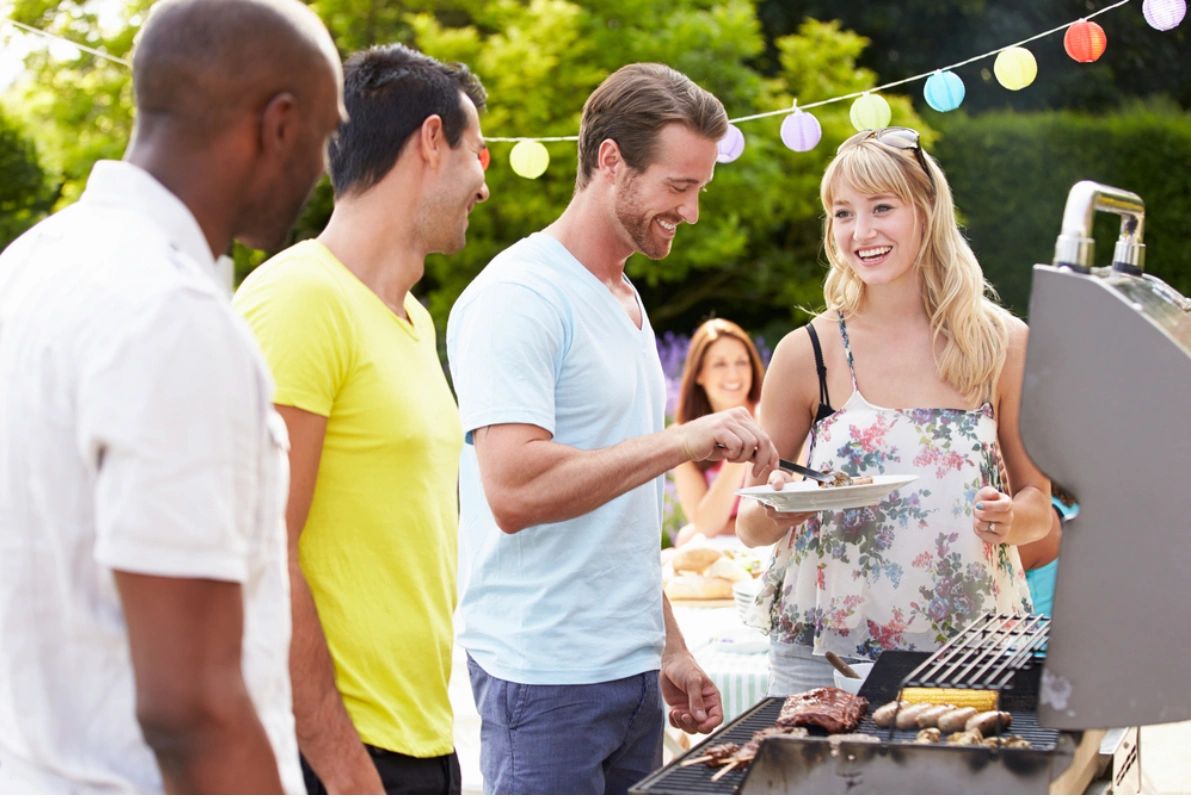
(992, 526)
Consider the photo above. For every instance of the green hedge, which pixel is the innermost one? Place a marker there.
(26, 193)
(1011, 174)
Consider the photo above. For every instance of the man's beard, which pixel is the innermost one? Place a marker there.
(638, 224)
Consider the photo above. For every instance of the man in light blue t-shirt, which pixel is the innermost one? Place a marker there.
(572, 647)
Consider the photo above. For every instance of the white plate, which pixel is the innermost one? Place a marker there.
(807, 496)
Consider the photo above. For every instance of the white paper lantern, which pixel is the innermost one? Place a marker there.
(730, 146)
(801, 131)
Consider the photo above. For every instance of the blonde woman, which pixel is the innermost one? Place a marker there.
(723, 370)
(912, 369)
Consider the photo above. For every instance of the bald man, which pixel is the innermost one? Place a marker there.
(143, 582)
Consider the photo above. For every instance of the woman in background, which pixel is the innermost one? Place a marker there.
(919, 372)
(723, 370)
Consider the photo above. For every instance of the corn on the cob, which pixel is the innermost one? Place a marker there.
(978, 699)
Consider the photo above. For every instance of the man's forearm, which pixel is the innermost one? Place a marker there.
(326, 736)
(675, 642)
(219, 753)
(556, 482)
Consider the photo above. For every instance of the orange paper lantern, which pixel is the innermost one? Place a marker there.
(1084, 41)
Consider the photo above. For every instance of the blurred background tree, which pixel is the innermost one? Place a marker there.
(26, 192)
(755, 255)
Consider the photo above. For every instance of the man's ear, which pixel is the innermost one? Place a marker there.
(280, 126)
(432, 140)
(609, 161)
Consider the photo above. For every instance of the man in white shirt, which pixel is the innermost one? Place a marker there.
(143, 584)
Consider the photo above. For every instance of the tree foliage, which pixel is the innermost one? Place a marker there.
(755, 255)
(25, 189)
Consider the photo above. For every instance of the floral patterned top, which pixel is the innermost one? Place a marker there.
(907, 573)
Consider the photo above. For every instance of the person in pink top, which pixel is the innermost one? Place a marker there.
(723, 370)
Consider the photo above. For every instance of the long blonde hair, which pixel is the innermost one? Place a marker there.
(961, 305)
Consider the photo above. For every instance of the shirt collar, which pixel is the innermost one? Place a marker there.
(126, 185)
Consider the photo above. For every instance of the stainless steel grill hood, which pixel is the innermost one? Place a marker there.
(1106, 412)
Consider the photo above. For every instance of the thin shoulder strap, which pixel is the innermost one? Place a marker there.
(843, 332)
(820, 366)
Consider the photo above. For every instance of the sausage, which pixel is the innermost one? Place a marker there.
(907, 717)
(956, 719)
(931, 716)
(885, 714)
(989, 722)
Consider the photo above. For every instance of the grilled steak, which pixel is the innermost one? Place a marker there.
(829, 708)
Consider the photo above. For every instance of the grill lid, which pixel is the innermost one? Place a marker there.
(1105, 412)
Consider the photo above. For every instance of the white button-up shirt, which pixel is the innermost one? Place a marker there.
(136, 434)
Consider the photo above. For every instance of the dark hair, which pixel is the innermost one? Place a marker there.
(692, 397)
(633, 104)
(389, 91)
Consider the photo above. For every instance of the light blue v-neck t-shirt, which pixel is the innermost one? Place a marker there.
(537, 339)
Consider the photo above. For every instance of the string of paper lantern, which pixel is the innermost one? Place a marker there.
(1015, 68)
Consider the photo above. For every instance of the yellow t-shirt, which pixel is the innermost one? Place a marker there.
(379, 547)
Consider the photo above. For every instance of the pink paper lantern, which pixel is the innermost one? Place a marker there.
(1164, 14)
(801, 131)
(1085, 41)
(729, 148)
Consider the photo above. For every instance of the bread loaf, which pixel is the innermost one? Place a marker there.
(694, 559)
(686, 587)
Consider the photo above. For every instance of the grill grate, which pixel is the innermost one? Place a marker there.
(696, 779)
(985, 655)
(1020, 697)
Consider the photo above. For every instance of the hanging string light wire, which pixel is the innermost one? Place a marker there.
(736, 120)
(55, 37)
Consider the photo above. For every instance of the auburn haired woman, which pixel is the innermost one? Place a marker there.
(723, 370)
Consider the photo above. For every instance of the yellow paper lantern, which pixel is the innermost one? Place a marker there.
(1015, 68)
(870, 111)
(529, 159)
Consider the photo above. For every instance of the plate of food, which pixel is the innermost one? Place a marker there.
(810, 496)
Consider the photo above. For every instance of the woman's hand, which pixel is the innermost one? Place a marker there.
(777, 480)
(992, 516)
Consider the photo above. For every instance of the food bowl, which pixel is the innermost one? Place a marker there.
(744, 593)
(850, 684)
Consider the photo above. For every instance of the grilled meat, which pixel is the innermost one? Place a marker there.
(969, 737)
(886, 714)
(929, 736)
(716, 755)
(989, 722)
(956, 719)
(829, 708)
(907, 716)
(930, 717)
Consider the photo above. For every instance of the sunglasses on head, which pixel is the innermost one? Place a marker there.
(903, 138)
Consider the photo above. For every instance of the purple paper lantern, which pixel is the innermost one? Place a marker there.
(1164, 14)
(801, 131)
(730, 146)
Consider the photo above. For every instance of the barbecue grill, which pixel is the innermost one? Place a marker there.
(1104, 412)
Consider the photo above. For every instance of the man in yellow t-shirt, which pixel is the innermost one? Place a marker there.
(374, 430)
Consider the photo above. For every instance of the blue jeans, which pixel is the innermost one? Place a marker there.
(567, 739)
